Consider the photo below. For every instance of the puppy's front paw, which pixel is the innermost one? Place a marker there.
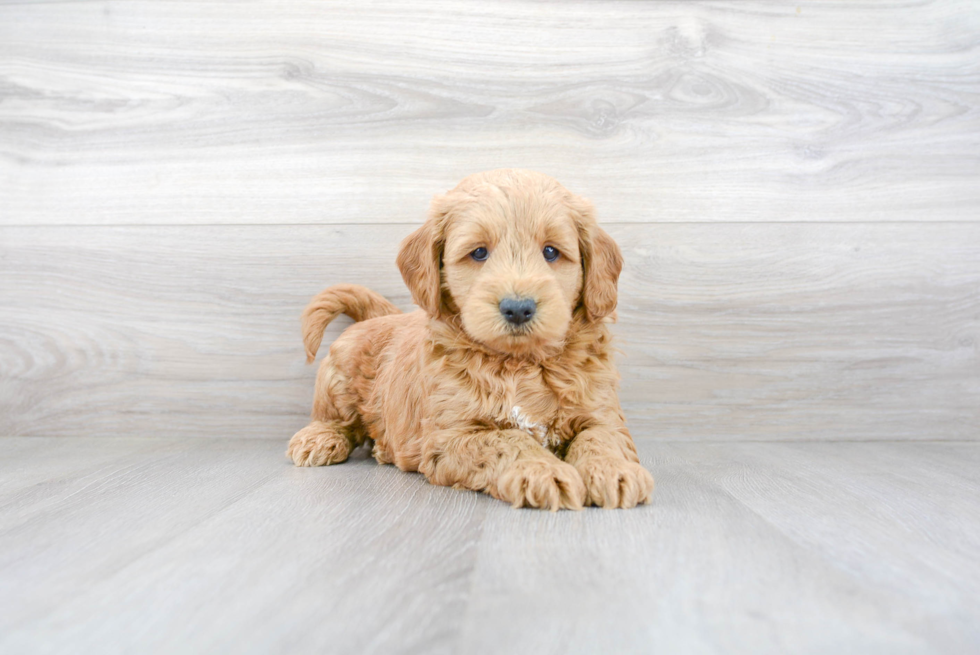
(613, 482)
(319, 444)
(541, 483)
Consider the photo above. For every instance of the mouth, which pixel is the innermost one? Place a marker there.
(519, 331)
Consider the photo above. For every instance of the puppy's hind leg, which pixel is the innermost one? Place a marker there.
(335, 429)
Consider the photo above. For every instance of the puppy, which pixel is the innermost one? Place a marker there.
(504, 382)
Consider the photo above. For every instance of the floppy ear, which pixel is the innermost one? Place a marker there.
(419, 260)
(601, 265)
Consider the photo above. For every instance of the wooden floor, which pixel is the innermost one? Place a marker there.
(795, 190)
(219, 545)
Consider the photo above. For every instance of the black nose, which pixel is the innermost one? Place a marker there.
(518, 311)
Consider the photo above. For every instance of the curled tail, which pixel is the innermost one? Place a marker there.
(360, 303)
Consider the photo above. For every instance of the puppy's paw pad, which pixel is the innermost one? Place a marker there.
(543, 484)
(318, 444)
(614, 482)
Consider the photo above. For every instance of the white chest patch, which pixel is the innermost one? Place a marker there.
(540, 432)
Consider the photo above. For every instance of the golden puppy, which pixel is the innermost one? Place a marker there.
(504, 382)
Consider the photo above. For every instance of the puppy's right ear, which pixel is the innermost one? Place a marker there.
(420, 260)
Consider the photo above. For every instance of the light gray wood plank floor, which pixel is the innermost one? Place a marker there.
(219, 545)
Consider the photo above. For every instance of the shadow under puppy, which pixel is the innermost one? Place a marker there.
(504, 382)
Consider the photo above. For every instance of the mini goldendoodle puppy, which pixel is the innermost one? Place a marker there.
(504, 382)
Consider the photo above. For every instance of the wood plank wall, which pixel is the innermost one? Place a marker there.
(796, 188)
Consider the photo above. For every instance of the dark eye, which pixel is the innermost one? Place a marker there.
(551, 253)
(480, 254)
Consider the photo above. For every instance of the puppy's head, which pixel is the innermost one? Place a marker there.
(513, 254)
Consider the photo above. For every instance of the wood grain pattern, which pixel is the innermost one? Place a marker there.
(744, 548)
(743, 331)
(311, 112)
(795, 190)
(220, 545)
(797, 194)
(184, 541)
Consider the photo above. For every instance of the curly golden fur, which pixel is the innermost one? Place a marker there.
(525, 409)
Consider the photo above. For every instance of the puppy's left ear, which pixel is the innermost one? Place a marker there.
(420, 260)
(602, 263)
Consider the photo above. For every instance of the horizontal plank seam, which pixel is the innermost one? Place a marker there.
(644, 440)
(372, 224)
